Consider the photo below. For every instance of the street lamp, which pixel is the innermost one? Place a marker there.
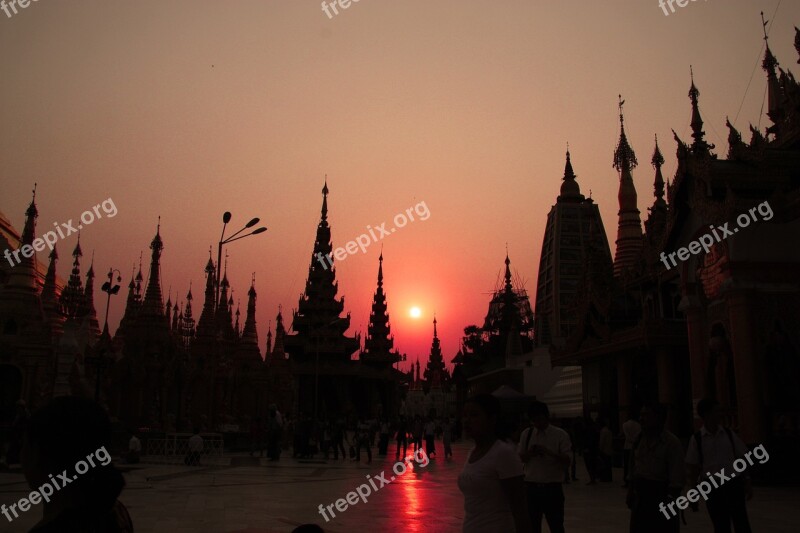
(226, 217)
(99, 361)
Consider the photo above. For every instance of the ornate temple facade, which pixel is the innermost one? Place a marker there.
(166, 371)
(724, 322)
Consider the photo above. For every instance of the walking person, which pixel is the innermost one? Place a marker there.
(546, 451)
(447, 435)
(195, 449)
(134, 449)
(491, 480)
(711, 449)
(430, 438)
(274, 429)
(383, 438)
(417, 431)
(656, 474)
(402, 437)
(605, 451)
(362, 440)
(591, 448)
(630, 430)
(337, 434)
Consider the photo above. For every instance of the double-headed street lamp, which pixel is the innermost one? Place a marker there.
(99, 361)
(226, 217)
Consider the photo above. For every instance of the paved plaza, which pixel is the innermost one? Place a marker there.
(263, 497)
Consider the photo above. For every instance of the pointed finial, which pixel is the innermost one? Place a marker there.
(658, 159)
(34, 190)
(590, 193)
(764, 27)
(621, 117)
(158, 227)
(624, 156)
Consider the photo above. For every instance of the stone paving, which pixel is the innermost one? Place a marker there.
(266, 497)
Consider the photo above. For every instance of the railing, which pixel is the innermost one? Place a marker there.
(174, 449)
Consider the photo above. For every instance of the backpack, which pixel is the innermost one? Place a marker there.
(698, 438)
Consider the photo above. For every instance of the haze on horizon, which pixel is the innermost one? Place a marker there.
(186, 109)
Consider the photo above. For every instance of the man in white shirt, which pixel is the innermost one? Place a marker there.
(134, 449)
(631, 429)
(545, 450)
(711, 450)
(195, 449)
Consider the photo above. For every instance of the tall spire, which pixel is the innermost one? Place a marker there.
(379, 344)
(656, 222)
(657, 162)
(87, 310)
(624, 156)
(73, 294)
(629, 227)
(508, 285)
(699, 146)
(435, 372)
(324, 216)
(570, 190)
(205, 326)
(268, 353)
(153, 304)
(49, 289)
(23, 275)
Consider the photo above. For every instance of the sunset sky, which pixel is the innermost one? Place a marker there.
(188, 108)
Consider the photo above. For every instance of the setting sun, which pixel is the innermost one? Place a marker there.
(415, 312)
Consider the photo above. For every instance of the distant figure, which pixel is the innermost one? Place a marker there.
(274, 430)
(605, 451)
(134, 449)
(447, 436)
(631, 430)
(402, 437)
(711, 449)
(491, 480)
(64, 433)
(18, 427)
(430, 438)
(362, 440)
(591, 442)
(195, 449)
(657, 474)
(337, 434)
(383, 439)
(417, 431)
(257, 436)
(546, 451)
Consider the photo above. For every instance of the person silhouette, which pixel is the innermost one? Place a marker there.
(69, 432)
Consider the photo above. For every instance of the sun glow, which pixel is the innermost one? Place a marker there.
(415, 312)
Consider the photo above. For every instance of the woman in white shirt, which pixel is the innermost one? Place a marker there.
(491, 480)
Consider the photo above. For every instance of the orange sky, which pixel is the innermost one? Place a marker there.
(188, 108)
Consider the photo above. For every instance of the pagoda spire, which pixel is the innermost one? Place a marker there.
(507, 276)
(153, 301)
(187, 322)
(250, 334)
(49, 288)
(87, 310)
(629, 227)
(24, 275)
(318, 312)
(278, 350)
(379, 344)
(570, 190)
(168, 308)
(657, 220)
(268, 353)
(699, 146)
(205, 326)
(73, 293)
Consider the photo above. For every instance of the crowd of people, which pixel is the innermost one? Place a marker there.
(508, 484)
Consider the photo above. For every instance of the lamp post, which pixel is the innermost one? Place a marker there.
(226, 217)
(99, 361)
